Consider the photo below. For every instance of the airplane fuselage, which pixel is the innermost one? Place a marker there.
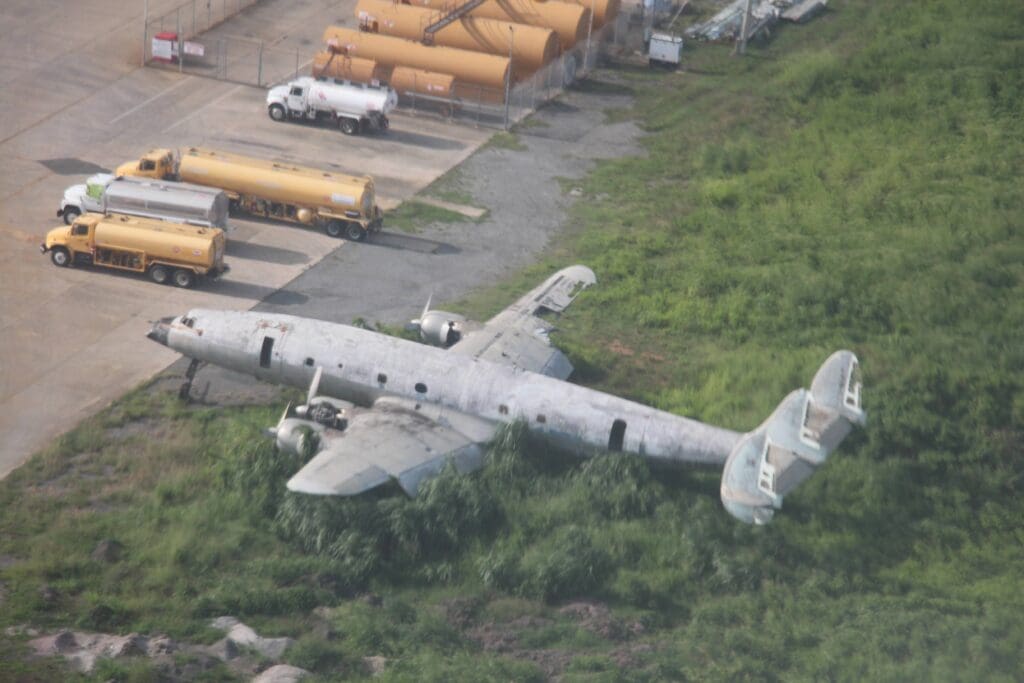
(362, 366)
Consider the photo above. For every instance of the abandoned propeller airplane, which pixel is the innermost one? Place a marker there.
(384, 408)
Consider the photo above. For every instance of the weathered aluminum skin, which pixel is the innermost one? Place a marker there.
(415, 407)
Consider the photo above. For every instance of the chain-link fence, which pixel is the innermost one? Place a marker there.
(184, 39)
(189, 39)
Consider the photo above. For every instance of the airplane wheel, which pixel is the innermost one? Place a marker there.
(60, 257)
(184, 278)
(70, 214)
(277, 112)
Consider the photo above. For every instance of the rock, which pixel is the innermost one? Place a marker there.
(375, 665)
(241, 635)
(272, 648)
(160, 645)
(576, 192)
(125, 646)
(282, 673)
(224, 623)
(21, 630)
(224, 649)
(58, 643)
(83, 661)
(108, 550)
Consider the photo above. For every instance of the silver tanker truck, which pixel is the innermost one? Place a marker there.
(149, 198)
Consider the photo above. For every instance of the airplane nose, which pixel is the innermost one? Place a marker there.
(160, 330)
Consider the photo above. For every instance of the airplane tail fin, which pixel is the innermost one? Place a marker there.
(794, 441)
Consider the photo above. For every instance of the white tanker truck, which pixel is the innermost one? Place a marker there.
(354, 108)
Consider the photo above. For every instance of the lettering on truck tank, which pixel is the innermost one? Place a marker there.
(343, 199)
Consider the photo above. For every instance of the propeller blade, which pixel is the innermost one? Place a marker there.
(272, 431)
(314, 386)
(426, 308)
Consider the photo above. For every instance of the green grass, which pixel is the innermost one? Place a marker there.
(412, 216)
(855, 183)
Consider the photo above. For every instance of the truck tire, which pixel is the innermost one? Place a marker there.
(335, 228)
(60, 257)
(354, 232)
(184, 278)
(70, 214)
(159, 274)
(348, 126)
(277, 112)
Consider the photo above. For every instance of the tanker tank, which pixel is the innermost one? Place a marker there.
(489, 71)
(277, 182)
(405, 79)
(569, 21)
(329, 64)
(604, 10)
(531, 46)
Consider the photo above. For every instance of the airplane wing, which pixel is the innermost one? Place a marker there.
(391, 441)
(518, 337)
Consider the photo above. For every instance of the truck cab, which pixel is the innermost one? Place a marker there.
(77, 238)
(82, 198)
(156, 163)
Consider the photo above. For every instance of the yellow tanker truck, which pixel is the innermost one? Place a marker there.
(343, 205)
(167, 252)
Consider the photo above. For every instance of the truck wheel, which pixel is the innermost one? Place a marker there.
(184, 278)
(159, 274)
(348, 126)
(354, 232)
(70, 214)
(335, 228)
(60, 257)
(277, 112)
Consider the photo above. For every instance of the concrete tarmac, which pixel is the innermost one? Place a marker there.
(74, 101)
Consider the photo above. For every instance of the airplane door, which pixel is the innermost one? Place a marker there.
(266, 350)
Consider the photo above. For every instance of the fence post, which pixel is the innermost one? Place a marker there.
(296, 62)
(181, 47)
(145, 29)
(508, 77)
(259, 67)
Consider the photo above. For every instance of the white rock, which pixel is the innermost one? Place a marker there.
(282, 673)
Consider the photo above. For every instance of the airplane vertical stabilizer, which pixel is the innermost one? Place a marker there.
(789, 446)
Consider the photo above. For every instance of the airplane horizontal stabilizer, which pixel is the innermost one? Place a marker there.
(789, 446)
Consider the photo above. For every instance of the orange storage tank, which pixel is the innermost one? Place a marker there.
(405, 79)
(568, 20)
(532, 46)
(604, 10)
(467, 67)
(329, 64)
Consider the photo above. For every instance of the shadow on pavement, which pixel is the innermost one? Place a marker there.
(393, 240)
(262, 252)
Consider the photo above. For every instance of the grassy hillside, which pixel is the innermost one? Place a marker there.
(855, 183)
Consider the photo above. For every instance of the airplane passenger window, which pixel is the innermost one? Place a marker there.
(421, 388)
(542, 418)
(382, 378)
(309, 361)
(503, 409)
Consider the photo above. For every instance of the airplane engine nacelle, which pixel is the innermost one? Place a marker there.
(439, 328)
(295, 437)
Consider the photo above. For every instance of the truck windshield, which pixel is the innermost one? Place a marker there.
(296, 91)
(147, 165)
(80, 229)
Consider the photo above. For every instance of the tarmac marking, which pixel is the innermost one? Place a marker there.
(210, 103)
(154, 97)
